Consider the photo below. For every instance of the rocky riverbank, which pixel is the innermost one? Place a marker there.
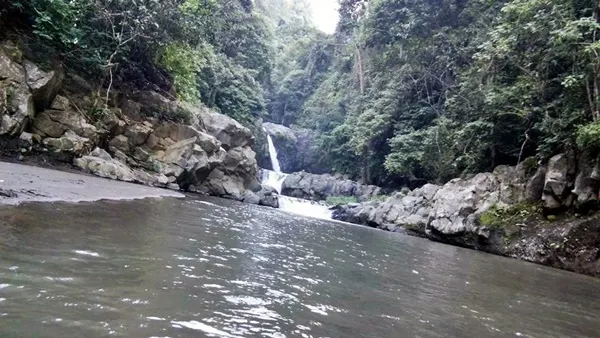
(321, 187)
(132, 136)
(539, 213)
(23, 183)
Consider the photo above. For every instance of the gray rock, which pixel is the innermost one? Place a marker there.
(121, 143)
(279, 131)
(140, 154)
(268, 197)
(113, 123)
(112, 169)
(228, 131)
(176, 132)
(556, 177)
(101, 153)
(10, 70)
(61, 103)
(68, 143)
(586, 188)
(26, 139)
(319, 187)
(137, 133)
(458, 200)
(44, 85)
(151, 103)
(54, 123)
(20, 110)
(535, 186)
(251, 198)
(131, 109)
(557, 186)
(297, 148)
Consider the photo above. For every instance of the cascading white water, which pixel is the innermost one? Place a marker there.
(298, 206)
(273, 155)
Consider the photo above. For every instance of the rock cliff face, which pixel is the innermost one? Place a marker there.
(533, 212)
(211, 155)
(296, 148)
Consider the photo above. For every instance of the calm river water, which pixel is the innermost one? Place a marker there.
(194, 268)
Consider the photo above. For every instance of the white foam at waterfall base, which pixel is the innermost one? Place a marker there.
(274, 180)
(304, 207)
(297, 206)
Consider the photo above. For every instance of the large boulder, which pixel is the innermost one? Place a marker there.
(236, 174)
(16, 102)
(16, 109)
(44, 85)
(54, 122)
(69, 142)
(558, 184)
(320, 187)
(228, 131)
(586, 183)
(399, 212)
(268, 197)
(10, 70)
(535, 187)
(148, 103)
(105, 167)
(138, 133)
(456, 203)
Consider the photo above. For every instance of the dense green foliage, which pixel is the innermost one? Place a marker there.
(405, 91)
(214, 51)
(414, 91)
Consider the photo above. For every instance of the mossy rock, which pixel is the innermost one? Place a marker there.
(499, 217)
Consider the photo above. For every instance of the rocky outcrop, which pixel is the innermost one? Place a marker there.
(284, 141)
(296, 148)
(511, 212)
(403, 211)
(16, 100)
(149, 139)
(320, 187)
(44, 85)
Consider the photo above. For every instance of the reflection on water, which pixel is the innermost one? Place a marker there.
(189, 268)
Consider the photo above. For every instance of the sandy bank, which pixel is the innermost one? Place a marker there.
(21, 183)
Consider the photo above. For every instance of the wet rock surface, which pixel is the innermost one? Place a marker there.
(22, 183)
(506, 212)
(297, 148)
(320, 187)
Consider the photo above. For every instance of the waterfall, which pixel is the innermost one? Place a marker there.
(273, 155)
(297, 206)
(274, 178)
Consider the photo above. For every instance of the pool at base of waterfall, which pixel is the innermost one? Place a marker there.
(207, 267)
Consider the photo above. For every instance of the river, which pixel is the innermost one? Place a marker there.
(208, 267)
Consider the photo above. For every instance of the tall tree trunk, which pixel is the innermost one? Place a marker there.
(284, 112)
(365, 164)
(361, 75)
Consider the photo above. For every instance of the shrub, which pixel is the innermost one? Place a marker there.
(497, 216)
(588, 136)
(341, 200)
